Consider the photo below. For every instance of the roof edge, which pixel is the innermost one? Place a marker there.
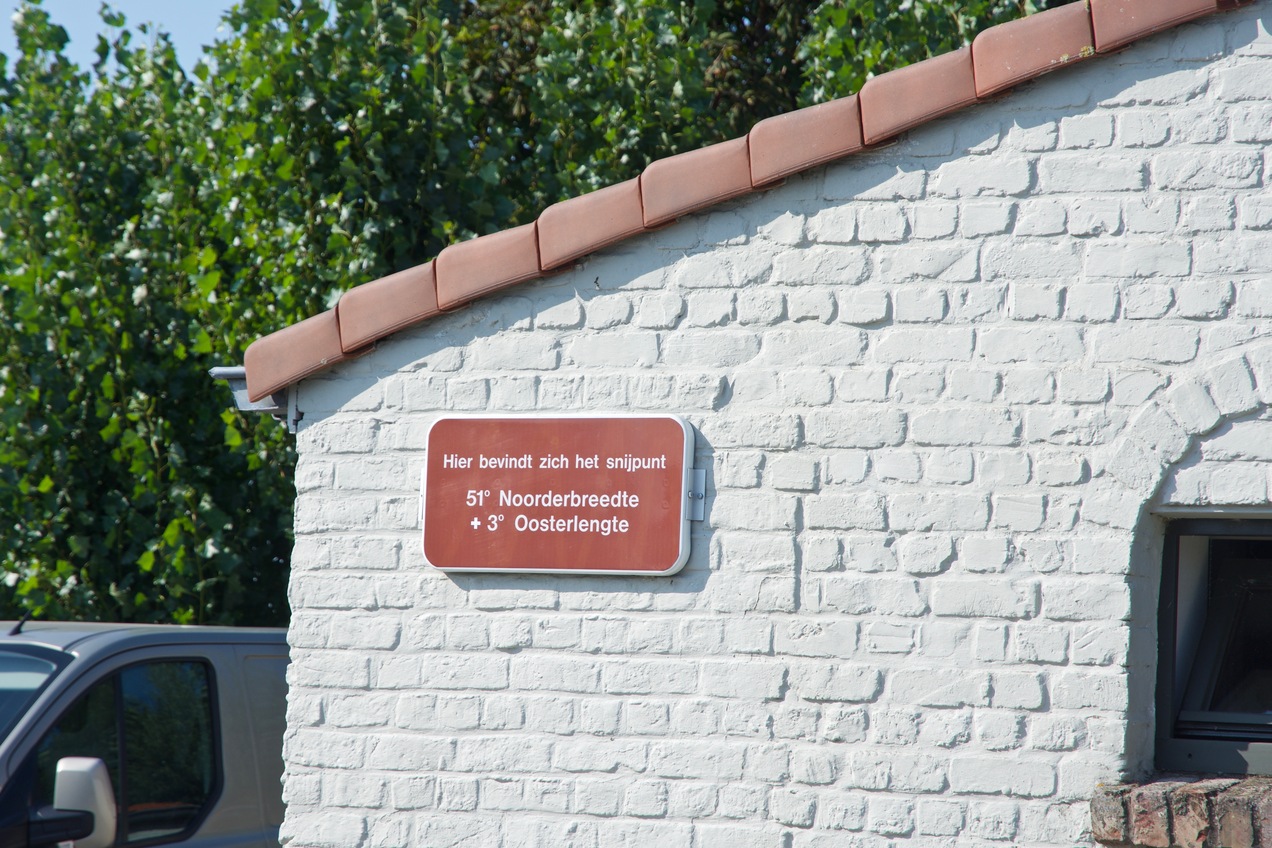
(1000, 58)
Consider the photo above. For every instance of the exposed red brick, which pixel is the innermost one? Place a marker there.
(1149, 813)
(1192, 813)
(1234, 815)
(1108, 814)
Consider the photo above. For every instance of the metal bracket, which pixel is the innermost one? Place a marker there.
(698, 495)
(282, 405)
(293, 410)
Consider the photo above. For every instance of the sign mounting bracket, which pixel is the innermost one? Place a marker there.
(698, 495)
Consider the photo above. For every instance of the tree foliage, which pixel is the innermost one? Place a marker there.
(154, 222)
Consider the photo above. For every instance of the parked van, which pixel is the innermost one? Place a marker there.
(119, 734)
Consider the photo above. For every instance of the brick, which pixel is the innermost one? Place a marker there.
(1167, 345)
(939, 818)
(855, 426)
(862, 306)
(923, 512)
(1231, 385)
(816, 638)
(999, 776)
(833, 266)
(1069, 599)
(881, 224)
(1192, 407)
(792, 807)
(1018, 690)
(940, 687)
(928, 344)
(891, 816)
(1125, 258)
(1237, 813)
(1083, 690)
(1088, 174)
(1149, 815)
(597, 350)
(1229, 169)
(1192, 810)
(977, 176)
(1032, 344)
(965, 426)
(845, 512)
(977, 220)
(838, 683)
(880, 594)
(985, 598)
(1019, 259)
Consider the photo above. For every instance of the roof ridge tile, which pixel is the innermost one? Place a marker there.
(292, 354)
(469, 269)
(794, 141)
(899, 100)
(584, 224)
(696, 179)
(1006, 55)
(376, 309)
(1117, 23)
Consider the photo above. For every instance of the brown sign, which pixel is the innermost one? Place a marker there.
(571, 494)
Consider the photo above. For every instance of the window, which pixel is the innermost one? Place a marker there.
(1214, 689)
(23, 673)
(152, 725)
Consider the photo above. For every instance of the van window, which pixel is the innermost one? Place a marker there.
(22, 675)
(152, 725)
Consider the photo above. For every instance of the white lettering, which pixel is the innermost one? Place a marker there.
(573, 524)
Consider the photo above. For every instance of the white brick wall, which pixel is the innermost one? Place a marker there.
(934, 387)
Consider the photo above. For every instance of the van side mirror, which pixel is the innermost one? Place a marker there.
(83, 809)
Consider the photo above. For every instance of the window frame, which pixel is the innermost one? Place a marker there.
(112, 674)
(1180, 753)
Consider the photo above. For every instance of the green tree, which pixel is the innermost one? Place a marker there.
(127, 490)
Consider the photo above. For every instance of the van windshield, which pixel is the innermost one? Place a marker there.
(22, 676)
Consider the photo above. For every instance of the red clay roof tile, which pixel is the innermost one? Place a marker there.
(1020, 50)
(581, 225)
(374, 310)
(1119, 22)
(784, 144)
(276, 361)
(467, 270)
(898, 100)
(690, 181)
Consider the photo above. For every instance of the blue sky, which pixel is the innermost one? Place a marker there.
(191, 23)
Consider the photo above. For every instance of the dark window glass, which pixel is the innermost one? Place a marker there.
(168, 759)
(1214, 686)
(88, 729)
(1229, 689)
(152, 726)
